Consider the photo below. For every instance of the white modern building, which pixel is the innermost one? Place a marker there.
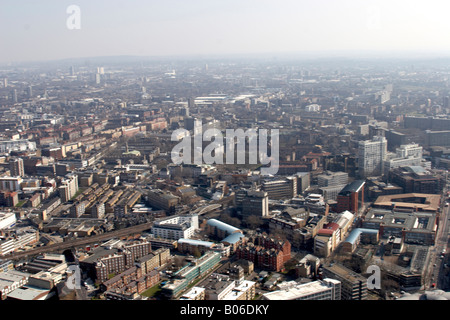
(176, 227)
(6, 146)
(327, 289)
(10, 183)
(7, 220)
(371, 156)
(312, 108)
(69, 187)
(22, 238)
(329, 179)
(405, 155)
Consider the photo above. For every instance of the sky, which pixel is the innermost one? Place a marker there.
(33, 30)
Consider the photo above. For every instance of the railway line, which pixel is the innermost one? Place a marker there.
(57, 247)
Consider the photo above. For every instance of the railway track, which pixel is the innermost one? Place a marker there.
(78, 242)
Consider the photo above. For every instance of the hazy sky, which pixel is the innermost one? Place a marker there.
(37, 30)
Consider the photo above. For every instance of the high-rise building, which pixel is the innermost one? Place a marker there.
(371, 155)
(351, 198)
(16, 167)
(191, 103)
(14, 96)
(5, 82)
(68, 188)
(256, 203)
(446, 102)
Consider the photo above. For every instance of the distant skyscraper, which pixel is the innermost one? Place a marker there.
(97, 78)
(191, 103)
(30, 92)
(371, 156)
(446, 101)
(14, 96)
(5, 83)
(72, 71)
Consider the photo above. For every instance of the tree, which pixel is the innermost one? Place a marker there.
(196, 253)
(253, 222)
(235, 222)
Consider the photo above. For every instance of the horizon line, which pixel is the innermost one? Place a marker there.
(287, 55)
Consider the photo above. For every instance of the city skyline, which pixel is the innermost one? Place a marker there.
(41, 31)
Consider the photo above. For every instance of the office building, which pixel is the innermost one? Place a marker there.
(162, 200)
(176, 227)
(351, 198)
(416, 179)
(281, 189)
(6, 146)
(413, 227)
(331, 193)
(437, 138)
(353, 285)
(329, 179)
(256, 203)
(303, 181)
(182, 278)
(326, 289)
(10, 183)
(7, 220)
(17, 239)
(405, 155)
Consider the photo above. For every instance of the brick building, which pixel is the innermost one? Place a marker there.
(265, 252)
(351, 198)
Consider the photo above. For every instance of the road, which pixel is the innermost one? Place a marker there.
(436, 266)
(58, 247)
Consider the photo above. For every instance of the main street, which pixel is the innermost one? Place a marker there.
(435, 277)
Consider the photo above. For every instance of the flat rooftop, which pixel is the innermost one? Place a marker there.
(419, 201)
(293, 290)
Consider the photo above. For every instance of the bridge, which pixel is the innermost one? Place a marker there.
(58, 247)
(204, 210)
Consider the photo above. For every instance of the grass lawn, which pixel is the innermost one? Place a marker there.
(80, 191)
(21, 203)
(151, 292)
